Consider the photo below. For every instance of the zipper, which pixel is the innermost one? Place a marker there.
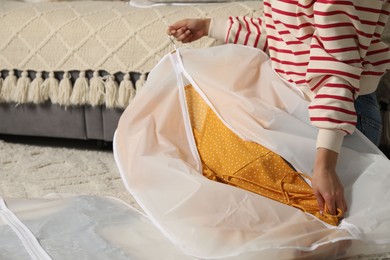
(179, 69)
(27, 238)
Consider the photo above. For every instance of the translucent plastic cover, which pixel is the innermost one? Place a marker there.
(156, 154)
(81, 227)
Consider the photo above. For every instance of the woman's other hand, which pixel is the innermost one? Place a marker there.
(327, 186)
(189, 30)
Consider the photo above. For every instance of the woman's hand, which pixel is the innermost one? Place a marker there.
(189, 30)
(326, 184)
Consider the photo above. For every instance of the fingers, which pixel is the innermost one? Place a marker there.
(182, 34)
(177, 28)
(320, 201)
(181, 31)
(331, 203)
(178, 24)
(176, 31)
(344, 205)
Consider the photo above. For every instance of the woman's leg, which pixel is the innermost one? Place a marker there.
(369, 120)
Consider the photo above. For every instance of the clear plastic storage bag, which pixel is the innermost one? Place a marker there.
(157, 156)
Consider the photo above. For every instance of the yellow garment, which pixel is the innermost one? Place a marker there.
(229, 159)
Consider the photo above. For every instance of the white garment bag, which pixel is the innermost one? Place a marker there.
(62, 227)
(158, 160)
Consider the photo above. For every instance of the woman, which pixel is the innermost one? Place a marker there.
(332, 51)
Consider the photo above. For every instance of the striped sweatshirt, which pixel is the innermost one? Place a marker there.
(330, 49)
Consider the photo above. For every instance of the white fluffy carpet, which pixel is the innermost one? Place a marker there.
(34, 167)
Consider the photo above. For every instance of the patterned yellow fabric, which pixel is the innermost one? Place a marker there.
(229, 159)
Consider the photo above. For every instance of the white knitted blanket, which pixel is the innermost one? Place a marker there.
(93, 36)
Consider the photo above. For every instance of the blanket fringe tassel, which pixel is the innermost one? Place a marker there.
(51, 88)
(21, 91)
(65, 90)
(35, 92)
(80, 90)
(111, 87)
(140, 82)
(9, 85)
(126, 92)
(96, 90)
(99, 90)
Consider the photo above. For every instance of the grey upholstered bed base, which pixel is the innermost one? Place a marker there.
(52, 120)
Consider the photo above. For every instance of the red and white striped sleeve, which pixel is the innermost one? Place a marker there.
(344, 48)
(330, 48)
(242, 30)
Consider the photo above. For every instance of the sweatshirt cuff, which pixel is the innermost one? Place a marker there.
(217, 29)
(330, 139)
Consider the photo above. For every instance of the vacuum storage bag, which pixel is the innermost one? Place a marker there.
(79, 227)
(161, 156)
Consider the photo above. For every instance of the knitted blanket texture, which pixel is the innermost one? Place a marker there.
(90, 36)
